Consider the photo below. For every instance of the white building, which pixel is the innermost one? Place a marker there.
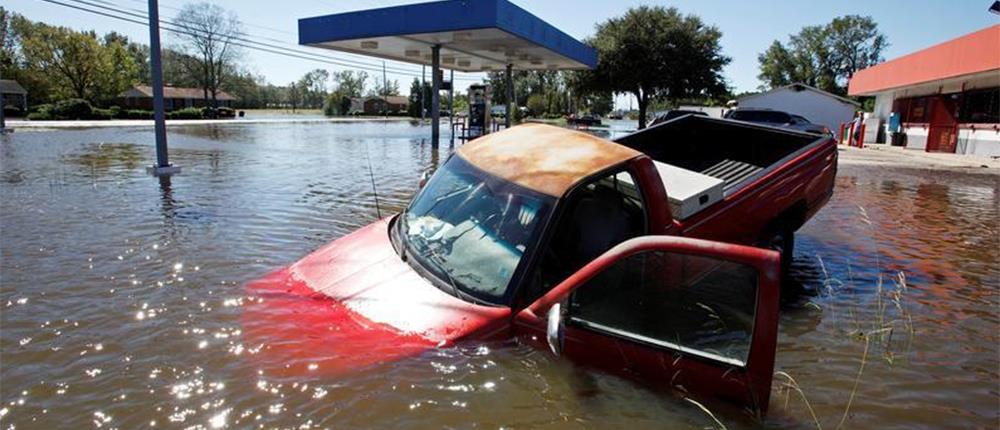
(945, 98)
(816, 105)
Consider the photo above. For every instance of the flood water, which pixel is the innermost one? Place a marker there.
(122, 299)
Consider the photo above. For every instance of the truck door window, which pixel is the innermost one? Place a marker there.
(692, 304)
(597, 216)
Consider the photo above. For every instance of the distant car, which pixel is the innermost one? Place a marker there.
(676, 113)
(777, 118)
(587, 120)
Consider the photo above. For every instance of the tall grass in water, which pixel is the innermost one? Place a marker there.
(889, 315)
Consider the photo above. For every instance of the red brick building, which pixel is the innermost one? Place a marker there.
(141, 97)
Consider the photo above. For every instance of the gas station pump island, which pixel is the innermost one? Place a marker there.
(479, 111)
(459, 35)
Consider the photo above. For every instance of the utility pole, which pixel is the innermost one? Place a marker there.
(162, 166)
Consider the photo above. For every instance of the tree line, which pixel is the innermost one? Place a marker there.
(658, 55)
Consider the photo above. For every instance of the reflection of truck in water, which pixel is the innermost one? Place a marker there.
(655, 256)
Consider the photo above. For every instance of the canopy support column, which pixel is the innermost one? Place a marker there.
(163, 166)
(435, 95)
(451, 104)
(510, 95)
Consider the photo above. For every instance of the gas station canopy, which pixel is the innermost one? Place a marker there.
(472, 36)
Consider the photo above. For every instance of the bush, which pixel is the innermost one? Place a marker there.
(39, 116)
(72, 109)
(135, 114)
(42, 112)
(102, 114)
(186, 113)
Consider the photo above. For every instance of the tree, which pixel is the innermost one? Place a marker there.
(857, 43)
(823, 56)
(656, 53)
(313, 86)
(139, 52)
(347, 84)
(293, 97)
(76, 64)
(385, 88)
(209, 33)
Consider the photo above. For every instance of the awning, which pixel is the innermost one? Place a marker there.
(473, 35)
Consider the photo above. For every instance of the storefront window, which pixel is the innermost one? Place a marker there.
(980, 106)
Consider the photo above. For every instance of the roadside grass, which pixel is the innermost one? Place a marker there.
(885, 316)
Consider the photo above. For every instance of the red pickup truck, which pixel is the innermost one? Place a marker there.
(651, 256)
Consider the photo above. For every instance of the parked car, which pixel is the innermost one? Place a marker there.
(658, 255)
(676, 113)
(778, 119)
(587, 120)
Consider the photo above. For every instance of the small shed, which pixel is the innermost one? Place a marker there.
(816, 105)
(14, 95)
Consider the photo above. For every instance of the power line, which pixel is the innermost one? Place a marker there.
(241, 42)
(187, 30)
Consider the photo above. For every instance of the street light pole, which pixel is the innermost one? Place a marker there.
(162, 166)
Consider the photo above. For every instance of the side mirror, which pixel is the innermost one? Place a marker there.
(553, 332)
(423, 179)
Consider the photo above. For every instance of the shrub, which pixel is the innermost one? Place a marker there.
(102, 114)
(135, 114)
(72, 109)
(40, 116)
(186, 113)
(42, 112)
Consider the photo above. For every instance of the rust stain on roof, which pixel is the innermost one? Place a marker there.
(544, 158)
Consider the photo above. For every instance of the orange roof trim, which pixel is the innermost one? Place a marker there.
(973, 53)
(544, 158)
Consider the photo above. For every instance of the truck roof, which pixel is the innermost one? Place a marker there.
(544, 158)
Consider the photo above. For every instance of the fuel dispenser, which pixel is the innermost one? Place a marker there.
(479, 110)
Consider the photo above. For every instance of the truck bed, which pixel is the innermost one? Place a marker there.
(732, 151)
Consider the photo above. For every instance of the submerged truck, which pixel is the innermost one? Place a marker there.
(658, 255)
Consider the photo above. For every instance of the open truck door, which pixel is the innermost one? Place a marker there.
(693, 315)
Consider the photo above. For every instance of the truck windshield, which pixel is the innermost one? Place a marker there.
(470, 229)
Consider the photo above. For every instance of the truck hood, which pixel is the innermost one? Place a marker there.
(352, 304)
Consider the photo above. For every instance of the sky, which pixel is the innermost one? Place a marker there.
(748, 27)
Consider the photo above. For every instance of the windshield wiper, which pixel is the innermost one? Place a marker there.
(433, 259)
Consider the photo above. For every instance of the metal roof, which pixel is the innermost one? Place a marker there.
(146, 91)
(9, 86)
(802, 87)
(475, 36)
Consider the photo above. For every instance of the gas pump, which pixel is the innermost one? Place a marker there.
(479, 110)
